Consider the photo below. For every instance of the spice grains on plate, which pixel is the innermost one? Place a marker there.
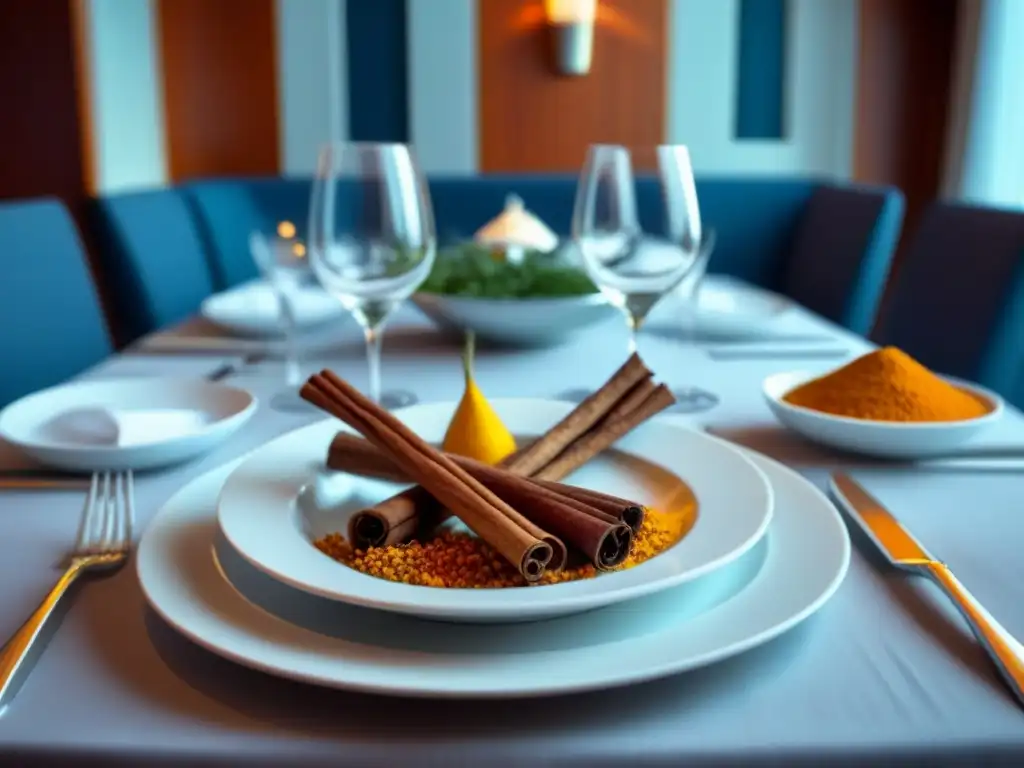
(460, 560)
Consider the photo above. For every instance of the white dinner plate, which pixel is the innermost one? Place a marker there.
(884, 439)
(251, 309)
(276, 504)
(171, 420)
(236, 611)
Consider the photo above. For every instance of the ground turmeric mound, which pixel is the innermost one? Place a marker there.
(887, 385)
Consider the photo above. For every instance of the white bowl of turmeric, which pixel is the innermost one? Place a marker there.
(883, 404)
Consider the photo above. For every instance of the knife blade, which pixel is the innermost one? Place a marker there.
(891, 538)
(907, 553)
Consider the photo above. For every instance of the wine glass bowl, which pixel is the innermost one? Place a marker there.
(372, 240)
(634, 269)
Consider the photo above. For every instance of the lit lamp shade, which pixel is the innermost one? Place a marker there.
(572, 30)
(516, 228)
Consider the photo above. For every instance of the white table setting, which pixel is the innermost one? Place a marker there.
(421, 560)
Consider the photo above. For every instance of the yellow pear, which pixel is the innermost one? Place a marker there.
(475, 430)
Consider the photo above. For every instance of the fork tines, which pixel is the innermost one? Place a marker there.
(108, 518)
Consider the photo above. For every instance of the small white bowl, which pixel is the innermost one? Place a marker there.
(885, 439)
(516, 322)
(220, 410)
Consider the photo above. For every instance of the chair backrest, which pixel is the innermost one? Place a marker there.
(49, 310)
(844, 246)
(153, 260)
(957, 303)
(228, 210)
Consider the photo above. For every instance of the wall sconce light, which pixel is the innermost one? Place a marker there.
(572, 33)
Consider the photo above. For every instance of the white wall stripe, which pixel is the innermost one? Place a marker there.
(125, 95)
(312, 80)
(820, 86)
(443, 69)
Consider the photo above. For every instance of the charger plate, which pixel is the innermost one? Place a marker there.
(198, 584)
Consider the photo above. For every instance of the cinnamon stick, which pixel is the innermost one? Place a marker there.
(405, 514)
(584, 416)
(605, 434)
(353, 454)
(485, 513)
(604, 539)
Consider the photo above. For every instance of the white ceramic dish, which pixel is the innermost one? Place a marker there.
(32, 423)
(230, 608)
(516, 322)
(272, 508)
(251, 309)
(884, 439)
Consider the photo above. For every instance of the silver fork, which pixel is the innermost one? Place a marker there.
(104, 541)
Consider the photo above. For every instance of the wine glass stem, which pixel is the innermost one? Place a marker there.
(634, 326)
(292, 371)
(373, 340)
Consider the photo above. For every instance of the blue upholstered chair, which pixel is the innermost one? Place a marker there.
(828, 247)
(227, 210)
(153, 260)
(957, 302)
(49, 310)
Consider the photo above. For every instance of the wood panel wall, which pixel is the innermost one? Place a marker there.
(904, 93)
(42, 130)
(219, 63)
(532, 119)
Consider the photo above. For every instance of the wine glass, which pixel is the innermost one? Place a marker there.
(372, 240)
(632, 268)
(283, 261)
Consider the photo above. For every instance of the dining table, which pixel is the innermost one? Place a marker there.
(886, 673)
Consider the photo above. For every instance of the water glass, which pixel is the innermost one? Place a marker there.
(635, 269)
(283, 262)
(372, 240)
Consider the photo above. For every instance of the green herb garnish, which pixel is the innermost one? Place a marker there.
(473, 270)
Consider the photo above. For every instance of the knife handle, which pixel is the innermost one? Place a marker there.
(1002, 648)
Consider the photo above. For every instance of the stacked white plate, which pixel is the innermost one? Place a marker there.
(230, 563)
(252, 309)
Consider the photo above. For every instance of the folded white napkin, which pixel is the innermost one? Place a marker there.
(124, 428)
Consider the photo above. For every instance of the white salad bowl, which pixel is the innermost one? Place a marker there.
(516, 322)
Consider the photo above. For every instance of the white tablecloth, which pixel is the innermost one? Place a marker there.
(886, 673)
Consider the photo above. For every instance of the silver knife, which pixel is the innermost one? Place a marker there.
(906, 553)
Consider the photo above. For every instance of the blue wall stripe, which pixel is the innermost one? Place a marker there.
(377, 79)
(761, 67)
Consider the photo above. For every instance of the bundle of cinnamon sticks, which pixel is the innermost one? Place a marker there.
(516, 507)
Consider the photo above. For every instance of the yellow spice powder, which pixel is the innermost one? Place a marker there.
(887, 385)
(460, 560)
